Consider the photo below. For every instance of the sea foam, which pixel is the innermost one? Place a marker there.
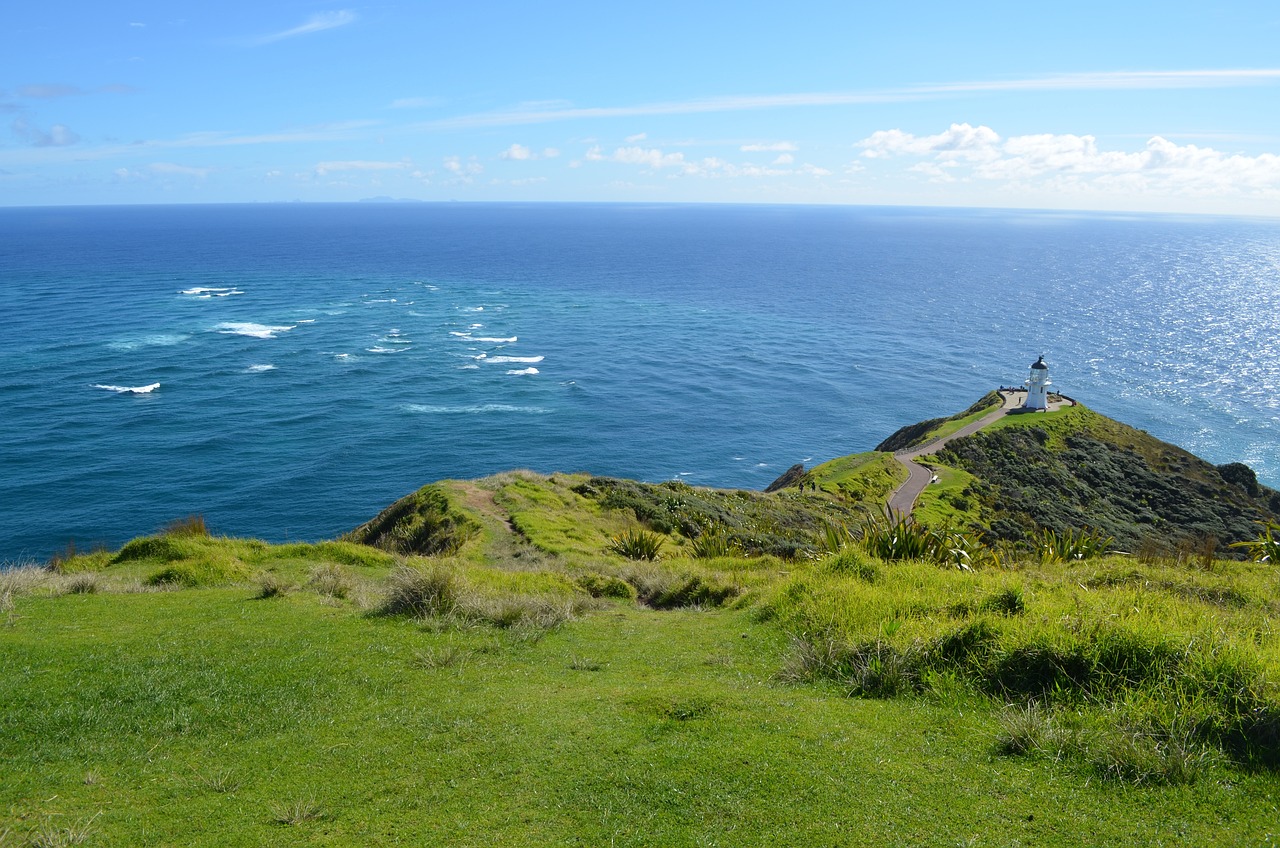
(257, 331)
(129, 390)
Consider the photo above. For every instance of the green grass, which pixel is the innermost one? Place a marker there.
(211, 719)
(949, 502)
(862, 477)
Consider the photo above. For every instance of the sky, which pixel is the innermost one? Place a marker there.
(1126, 106)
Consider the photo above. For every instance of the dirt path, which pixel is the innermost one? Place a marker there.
(903, 500)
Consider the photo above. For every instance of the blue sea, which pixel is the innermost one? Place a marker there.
(288, 370)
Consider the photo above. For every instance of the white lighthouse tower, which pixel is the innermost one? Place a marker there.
(1038, 386)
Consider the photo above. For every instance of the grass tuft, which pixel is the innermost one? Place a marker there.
(331, 580)
(272, 586)
(421, 591)
(296, 812)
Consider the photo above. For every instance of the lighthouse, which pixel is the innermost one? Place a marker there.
(1037, 386)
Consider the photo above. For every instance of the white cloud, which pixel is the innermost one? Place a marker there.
(325, 168)
(777, 146)
(169, 168)
(316, 23)
(520, 153)
(58, 135)
(416, 102)
(1076, 163)
(636, 139)
(960, 141)
(462, 170)
(650, 158)
(784, 159)
(711, 166)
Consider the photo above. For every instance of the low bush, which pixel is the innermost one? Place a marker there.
(637, 544)
(605, 586)
(421, 591)
(201, 572)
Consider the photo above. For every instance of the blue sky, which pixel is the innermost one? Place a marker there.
(1168, 106)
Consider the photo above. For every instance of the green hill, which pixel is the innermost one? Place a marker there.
(534, 659)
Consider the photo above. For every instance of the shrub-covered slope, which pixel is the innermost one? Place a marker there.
(1077, 468)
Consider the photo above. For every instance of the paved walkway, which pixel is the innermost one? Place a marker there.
(903, 500)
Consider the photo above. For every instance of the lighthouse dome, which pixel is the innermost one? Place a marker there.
(1039, 365)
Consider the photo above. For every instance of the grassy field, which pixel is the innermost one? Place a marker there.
(533, 688)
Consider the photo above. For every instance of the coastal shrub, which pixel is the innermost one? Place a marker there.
(331, 580)
(605, 586)
(16, 580)
(713, 542)
(200, 572)
(892, 536)
(664, 588)
(854, 562)
(637, 544)
(80, 583)
(421, 591)
(192, 525)
(271, 585)
(162, 548)
(344, 553)
(420, 523)
(1266, 547)
(1071, 544)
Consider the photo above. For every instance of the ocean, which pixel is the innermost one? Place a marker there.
(286, 371)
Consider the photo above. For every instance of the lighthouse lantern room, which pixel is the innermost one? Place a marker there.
(1038, 386)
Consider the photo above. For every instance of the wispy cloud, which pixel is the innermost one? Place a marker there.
(325, 168)
(655, 159)
(172, 168)
(316, 23)
(50, 91)
(772, 147)
(1114, 80)
(416, 102)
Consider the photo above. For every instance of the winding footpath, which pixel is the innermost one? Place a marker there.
(902, 501)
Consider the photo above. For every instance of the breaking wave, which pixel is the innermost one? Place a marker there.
(257, 331)
(129, 390)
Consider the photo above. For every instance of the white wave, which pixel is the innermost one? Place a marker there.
(467, 337)
(381, 349)
(257, 331)
(342, 356)
(470, 367)
(210, 291)
(525, 360)
(306, 320)
(478, 409)
(475, 326)
(130, 390)
(523, 371)
(481, 356)
(158, 340)
(473, 309)
(259, 368)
